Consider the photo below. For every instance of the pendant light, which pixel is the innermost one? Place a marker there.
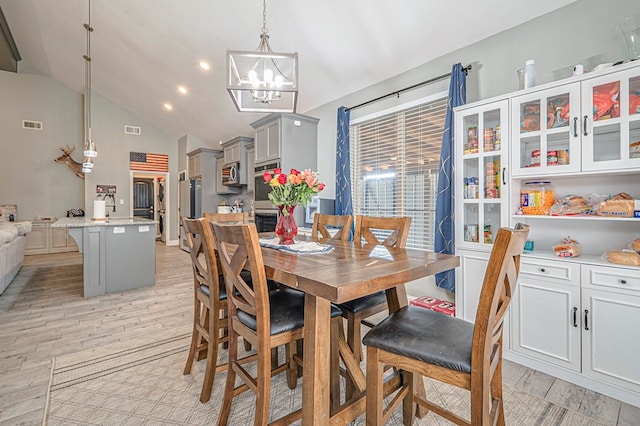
(89, 146)
(263, 81)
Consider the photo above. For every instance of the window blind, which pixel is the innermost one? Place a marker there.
(394, 167)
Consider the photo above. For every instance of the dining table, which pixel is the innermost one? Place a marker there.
(349, 271)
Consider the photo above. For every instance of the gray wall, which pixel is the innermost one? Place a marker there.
(581, 32)
(28, 175)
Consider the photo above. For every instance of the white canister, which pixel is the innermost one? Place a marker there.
(529, 74)
(99, 209)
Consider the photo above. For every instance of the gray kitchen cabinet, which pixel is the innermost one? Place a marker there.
(251, 163)
(204, 161)
(289, 138)
(235, 151)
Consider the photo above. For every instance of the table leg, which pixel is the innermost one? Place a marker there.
(317, 361)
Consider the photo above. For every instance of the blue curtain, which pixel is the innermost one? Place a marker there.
(343, 204)
(444, 240)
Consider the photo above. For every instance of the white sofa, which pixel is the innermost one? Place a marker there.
(12, 244)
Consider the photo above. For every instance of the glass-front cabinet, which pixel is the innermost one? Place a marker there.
(481, 173)
(611, 121)
(546, 131)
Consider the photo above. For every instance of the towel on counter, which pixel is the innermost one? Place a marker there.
(302, 247)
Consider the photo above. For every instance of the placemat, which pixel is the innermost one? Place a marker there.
(301, 247)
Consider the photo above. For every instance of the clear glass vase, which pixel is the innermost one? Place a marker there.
(286, 228)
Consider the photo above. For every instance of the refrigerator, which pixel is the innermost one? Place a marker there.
(190, 202)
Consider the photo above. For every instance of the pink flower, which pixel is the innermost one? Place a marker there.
(267, 177)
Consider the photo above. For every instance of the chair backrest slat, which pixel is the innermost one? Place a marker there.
(200, 242)
(399, 227)
(239, 250)
(321, 221)
(227, 217)
(497, 289)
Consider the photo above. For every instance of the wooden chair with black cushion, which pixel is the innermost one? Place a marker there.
(394, 231)
(448, 349)
(210, 306)
(320, 231)
(266, 319)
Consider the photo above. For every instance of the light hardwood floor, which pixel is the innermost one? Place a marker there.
(43, 315)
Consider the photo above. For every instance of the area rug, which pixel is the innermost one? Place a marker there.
(144, 385)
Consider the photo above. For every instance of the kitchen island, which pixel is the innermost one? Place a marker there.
(118, 253)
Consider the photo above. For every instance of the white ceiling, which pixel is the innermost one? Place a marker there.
(143, 49)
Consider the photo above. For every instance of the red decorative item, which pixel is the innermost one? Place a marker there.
(286, 228)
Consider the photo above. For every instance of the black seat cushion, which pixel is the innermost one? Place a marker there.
(365, 302)
(425, 335)
(287, 311)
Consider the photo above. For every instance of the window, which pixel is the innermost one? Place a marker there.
(394, 166)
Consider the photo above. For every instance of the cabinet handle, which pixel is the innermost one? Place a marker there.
(584, 125)
(504, 176)
(575, 127)
(586, 319)
(575, 316)
(623, 281)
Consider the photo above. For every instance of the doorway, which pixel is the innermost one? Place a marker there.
(149, 200)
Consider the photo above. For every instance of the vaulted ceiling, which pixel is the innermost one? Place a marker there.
(143, 49)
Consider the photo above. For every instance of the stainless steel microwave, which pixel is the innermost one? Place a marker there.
(231, 174)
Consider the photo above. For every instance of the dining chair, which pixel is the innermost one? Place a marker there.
(267, 319)
(449, 349)
(392, 232)
(320, 231)
(210, 307)
(242, 217)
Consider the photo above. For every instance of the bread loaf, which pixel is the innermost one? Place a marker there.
(635, 245)
(623, 257)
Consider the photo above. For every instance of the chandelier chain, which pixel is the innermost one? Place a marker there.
(264, 18)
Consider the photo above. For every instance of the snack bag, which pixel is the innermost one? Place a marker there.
(568, 247)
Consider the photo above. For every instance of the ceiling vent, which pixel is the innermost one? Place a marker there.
(132, 130)
(32, 125)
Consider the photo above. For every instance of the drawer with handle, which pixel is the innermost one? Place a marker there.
(611, 277)
(550, 269)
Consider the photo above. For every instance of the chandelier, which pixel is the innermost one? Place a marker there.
(263, 80)
(89, 146)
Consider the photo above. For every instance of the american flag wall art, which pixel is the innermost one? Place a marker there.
(146, 162)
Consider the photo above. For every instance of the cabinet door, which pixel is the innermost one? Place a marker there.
(610, 337)
(194, 166)
(546, 320)
(37, 241)
(546, 131)
(273, 141)
(469, 279)
(610, 123)
(58, 239)
(232, 153)
(250, 170)
(481, 188)
(260, 145)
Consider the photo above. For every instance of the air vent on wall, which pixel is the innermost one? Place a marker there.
(132, 130)
(33, 125)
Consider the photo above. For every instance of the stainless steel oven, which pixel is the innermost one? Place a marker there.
(261, 189)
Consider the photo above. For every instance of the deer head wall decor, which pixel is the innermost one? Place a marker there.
(66, 159)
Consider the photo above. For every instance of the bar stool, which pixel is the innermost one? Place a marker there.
(449, 349)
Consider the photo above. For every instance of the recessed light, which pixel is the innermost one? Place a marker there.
(183, 90)
(168, 106)
(205, 65)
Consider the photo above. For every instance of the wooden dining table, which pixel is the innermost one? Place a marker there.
(350, 271)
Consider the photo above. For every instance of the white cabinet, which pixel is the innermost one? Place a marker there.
(545, 312)
(222, 189)
(588, 125)
(611, 325)
(482, 175)
(44, 239)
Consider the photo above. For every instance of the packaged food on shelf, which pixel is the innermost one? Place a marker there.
(568, 247)
(622, 257)
(570, 205)
(497, 139)
(619, 208)
(489, 139)
(537, 198)
(635, 245)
